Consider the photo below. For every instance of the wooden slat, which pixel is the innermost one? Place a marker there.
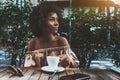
(56, 77)
(18, 77)
(103, 74)
(44, 76)
(115, 74)
(2, 69)
(36, 75)
(3, 72)
(6, 75)
(62, 74)
(93, 75)
(107, 75)
(28, 74)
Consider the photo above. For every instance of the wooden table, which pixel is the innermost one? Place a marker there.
(36, 74)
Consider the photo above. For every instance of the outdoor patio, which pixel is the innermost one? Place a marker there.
(90, 26)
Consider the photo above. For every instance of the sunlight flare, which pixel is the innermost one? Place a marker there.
(116, 2)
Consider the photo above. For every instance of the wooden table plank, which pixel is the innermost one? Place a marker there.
(2, 72)
(2, 69)
(104, 76)
(100, 73)
(93, 76)
(36, 75)
(56, 77)
(44, 76)
(107, 75)
(62, 74)
(25, 72)
(115, 74)
(27, 75)
(6, 75)
(18, 77)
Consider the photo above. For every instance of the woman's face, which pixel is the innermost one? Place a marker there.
(52, 23)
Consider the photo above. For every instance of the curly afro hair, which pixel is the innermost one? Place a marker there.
(39, 16)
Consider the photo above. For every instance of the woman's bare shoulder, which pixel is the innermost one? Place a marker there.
(62, 41)
(31, 44)
(32, 40)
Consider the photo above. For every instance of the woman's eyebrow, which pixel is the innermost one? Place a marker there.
(51, 17)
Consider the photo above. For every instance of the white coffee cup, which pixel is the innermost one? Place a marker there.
(53, 62)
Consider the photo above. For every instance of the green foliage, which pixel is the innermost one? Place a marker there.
(15, 25)
(92, 34)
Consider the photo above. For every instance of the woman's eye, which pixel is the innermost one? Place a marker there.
(51, 19)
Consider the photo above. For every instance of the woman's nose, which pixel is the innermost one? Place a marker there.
(56, 22)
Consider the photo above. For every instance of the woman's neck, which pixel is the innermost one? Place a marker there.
(48, 37)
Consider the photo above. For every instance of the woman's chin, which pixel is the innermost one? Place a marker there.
(55, 33)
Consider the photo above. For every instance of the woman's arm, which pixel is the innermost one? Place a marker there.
(29, 59)
(71, 56)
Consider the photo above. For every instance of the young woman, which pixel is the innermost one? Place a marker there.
(44, 22)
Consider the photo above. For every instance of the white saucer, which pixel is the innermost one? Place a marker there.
(47, 69)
